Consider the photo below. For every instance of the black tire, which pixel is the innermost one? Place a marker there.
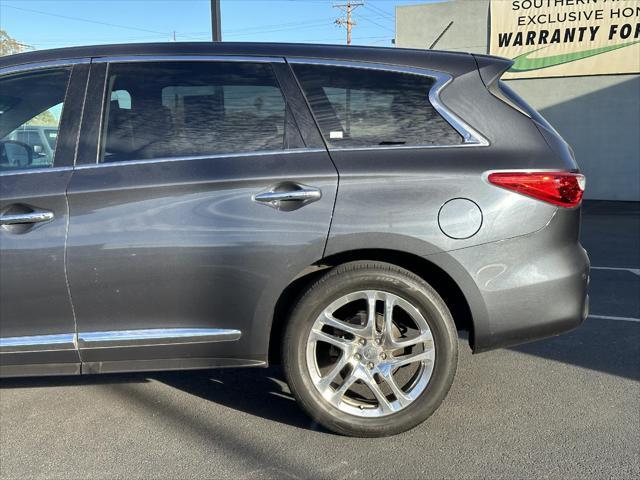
(369, 275)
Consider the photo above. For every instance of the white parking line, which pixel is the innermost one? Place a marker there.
(623, 319)
(635, 271)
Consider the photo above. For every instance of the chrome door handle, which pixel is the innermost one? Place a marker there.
(303, 194)
(288, 196)
(30, 217)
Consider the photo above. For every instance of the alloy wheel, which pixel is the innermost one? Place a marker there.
(370, 353)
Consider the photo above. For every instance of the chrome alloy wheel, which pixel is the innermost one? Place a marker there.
(370, 353)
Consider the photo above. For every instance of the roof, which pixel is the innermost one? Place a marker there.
(453, 62)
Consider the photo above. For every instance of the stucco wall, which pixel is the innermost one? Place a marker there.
(599, 115)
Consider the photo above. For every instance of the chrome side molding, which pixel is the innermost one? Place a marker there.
(155, 336)
(6, 173)
(117, 338)
(38, 343)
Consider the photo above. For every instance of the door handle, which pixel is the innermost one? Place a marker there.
(34, 216)
(288, 196)
(302, 195)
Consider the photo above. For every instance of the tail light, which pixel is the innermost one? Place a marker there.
(564, 189)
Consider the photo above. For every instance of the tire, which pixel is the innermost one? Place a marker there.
(364, 349)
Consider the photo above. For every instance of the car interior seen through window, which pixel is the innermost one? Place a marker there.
(30, 111)
(175, 109)
(365, 108)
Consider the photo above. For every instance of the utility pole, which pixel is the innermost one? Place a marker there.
(216, 28)
(347, 8)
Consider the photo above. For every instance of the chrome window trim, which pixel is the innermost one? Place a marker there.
(38, 343)
(197, 157)
(470, 136)
(186, 58)
(35, 170)
(404, 147)
(24, 67)
(155, 336)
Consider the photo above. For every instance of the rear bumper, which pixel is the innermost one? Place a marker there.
(528, 287)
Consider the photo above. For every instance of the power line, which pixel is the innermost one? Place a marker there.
(362, 17)
(255, 30)
(381, 12)
(84, 20)
(308, 27)
(277, 25)
(326, 39)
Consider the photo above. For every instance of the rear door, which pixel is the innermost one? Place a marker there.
(37, 327)
(204, 189)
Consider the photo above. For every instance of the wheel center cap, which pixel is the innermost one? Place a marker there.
(370, 353)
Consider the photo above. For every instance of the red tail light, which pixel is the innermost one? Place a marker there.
(564, 189)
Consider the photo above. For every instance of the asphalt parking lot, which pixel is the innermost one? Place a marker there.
(567, 407)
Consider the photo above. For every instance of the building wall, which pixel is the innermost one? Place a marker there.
(598, 115)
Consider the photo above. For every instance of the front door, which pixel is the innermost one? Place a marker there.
(37, 328)
(209, 194)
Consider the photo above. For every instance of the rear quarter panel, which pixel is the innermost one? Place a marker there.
(389, 198)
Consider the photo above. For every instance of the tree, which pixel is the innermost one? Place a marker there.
(9, 45)
(46, 118)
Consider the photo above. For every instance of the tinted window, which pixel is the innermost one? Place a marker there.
(30, 110)
(172, 109)
(122, 99)
(362, 108)
(52, 137)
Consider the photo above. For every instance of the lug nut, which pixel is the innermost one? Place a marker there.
(383, 356)
(378, 341)
(357, 356)
(362, 341)
(370, 365)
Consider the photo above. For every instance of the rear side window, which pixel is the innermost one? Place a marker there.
(358, 107)
(176, 109)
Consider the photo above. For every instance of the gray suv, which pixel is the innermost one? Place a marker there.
(342, 210)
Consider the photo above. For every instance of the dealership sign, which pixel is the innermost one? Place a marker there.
(558, 38)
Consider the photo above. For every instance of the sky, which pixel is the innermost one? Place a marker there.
(61, 23)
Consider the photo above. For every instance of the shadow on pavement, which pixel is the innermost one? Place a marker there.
(238, 447)
(257, 391)
(609, 346)
(73, 381)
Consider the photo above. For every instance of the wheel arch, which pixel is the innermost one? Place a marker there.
(429, 271)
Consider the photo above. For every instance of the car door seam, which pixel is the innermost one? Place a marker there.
(66, 273)
(333, 209)
(326, 147)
